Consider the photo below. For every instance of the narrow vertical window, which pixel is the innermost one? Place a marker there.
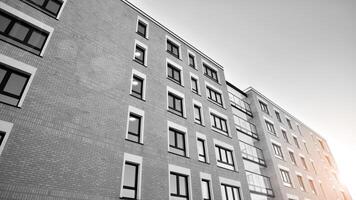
(129, 188)
(173, 48)
(304, 163)
(312, 186)
(137, 87)
(292, 157)
(197, 114)
(134, 128)
(179, 186)
(201, 150)
(174, 73)
(278, 116)
(284, 133)
(177, 142)
(289, 123)
(142, 28)
(194, 83)
(140, 54)
(2, 136)
(296, 141)
(205, 186)
(175, 104)
(301, 183)
(270, 127)
(306, 147)
(191, 60)
(264, 107)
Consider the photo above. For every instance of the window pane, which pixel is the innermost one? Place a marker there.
(223, 192)
(223, 155)
(170, 101)
(128, 193)
(178, 104)
(197, 113)
(182, 185)
(19, 31)
(230, 194)
(173, 184)
(137, 87)
(200, 147)
(2, 135)
(134, 124)
(180, 140)
(15, 84)
(53, 6)
(37, 39)
(2, 74)
(4, 22)
(38, 2)
(229, 157)
(130, 175)
(205, 189)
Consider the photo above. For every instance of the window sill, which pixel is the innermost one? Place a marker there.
(138, 98)
(140, 63)
(134, 141)
(141, 35)
(215, 81)
(178, 57)
(10, 104)
(176, 114)
(193, 67)
(197, 93)
(274, 134)
(179, 155)
(234, 170)
(221, 132)
(202, 125)
(203, 162)
(221, 106)
(175, 81)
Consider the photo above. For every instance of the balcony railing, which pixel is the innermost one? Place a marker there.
(245, 127)
(252, 153)
(259, 184)
(240, 104)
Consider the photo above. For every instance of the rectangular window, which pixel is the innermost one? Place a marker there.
(292, 157)
(214, 96)
(205, 187)
(2, 136)
(142, 28)
(173, 48)
(264, 107)
(134, 128)
(130, 181)
(197, 114)
(278, 116)
(312, 186)
(195, 86)
(177, 142)
(286, 177)
(301, 182)
(174, 73)
(300, 132)
(140, 54)
(175, 104)
(270, 127)
(218, 123)
(137, 87)
(230, 192)
(179, 186)
(225, 156)
(22, 33)
(322, 144)
(304, 163)
(312, 163)
(284, 133)
(211, 73)
(202, 155)
(277, 151)
(191, 58)
(306, 147)
(50, 7)
(289, 123)
(296, 141)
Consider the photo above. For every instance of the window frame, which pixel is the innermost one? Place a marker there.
(196, 78)
(303, 161)
(295, 140)
(289, 123)
(145, 22)
(6, 128)
(211, 90)
(35, 24)
(285, 176)
(143, 87)
(206, 67)
(277, 149)
(139, 113)
(176, 44)
(191, 54)
(182, 130)
(285, 135)
(312, 185)
(49, 13)
(143, 47)
(174, 67)
(230, 183)
(218, 145)
(292, 157)
(301, 182)
(202, 138)
(133, 159)
(278, 115)
(204, 177)
(180, 171)
(178, 95)
(201, 114)
(263, 106)
(213, 114)
(270, 127)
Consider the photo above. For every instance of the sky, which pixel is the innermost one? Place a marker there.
(301, 54)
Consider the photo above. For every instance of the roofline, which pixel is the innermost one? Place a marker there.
(172, 33)
(277, 106)
(236, 88)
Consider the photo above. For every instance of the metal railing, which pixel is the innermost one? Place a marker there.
(239, 103)
(245, 127)
(252, 153)
(259, 184)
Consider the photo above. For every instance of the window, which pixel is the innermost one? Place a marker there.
(201, 150)
(194, 84)
(5, 129)
(197, 114)
(224, 156)
(140, 54)
(296, 141)
(304, 162)
(284, 133)
(312, 163)
(175, 104)
(270, 127)
(135, 125)
(306, 147)
(191, 60)
(286, 177)
(177, 142)
(219, 123)
(174, 73)
(50, 7)
(230, 192)
(214, 96)
(15, 80)
(322, 144)
(264, 107)
(277, 151)
(173, 48)
(278, 116)
(292, 157)
(211, 73)
(328, 160)
(179, 183)
(205, 187)
(2, 136)
(25, 34)
(301, 183)
(142, 28)
(131, 177)
(289, 123)
(137, 87)
(312, 186)
(300, 132)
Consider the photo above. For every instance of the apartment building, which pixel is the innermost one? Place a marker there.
(100, 101)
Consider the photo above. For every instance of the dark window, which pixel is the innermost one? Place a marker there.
(278, 116)
(21, 33)
(285, 176)
(264, 107)
(230, 192)
(50, 7)
(289, 124)
(284, 133)
(191, 60)
(2, 136)
(175, 104)
(312, 186)
(306, 147)
(12, 84)
(129, 188)
(214, 96)
(140, 54)
(225, 156)
(304, 163)
(179, 186)
(195, 87)
(174, 73)
(201, 150)
(277, 151)
(219, 123)
(137, 87)
(301, 183)
(197, 114)
(134, 131)
(142, 29)
(270, 127)
(211, 73)
(177, 142)
(296, 142)
(292, 158)
(172, 48)
(205, 186)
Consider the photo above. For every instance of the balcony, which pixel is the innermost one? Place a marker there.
(252, 153)
(240, 104)
(245, 127)
(259, 184)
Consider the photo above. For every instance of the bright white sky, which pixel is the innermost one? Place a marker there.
(301, 54)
